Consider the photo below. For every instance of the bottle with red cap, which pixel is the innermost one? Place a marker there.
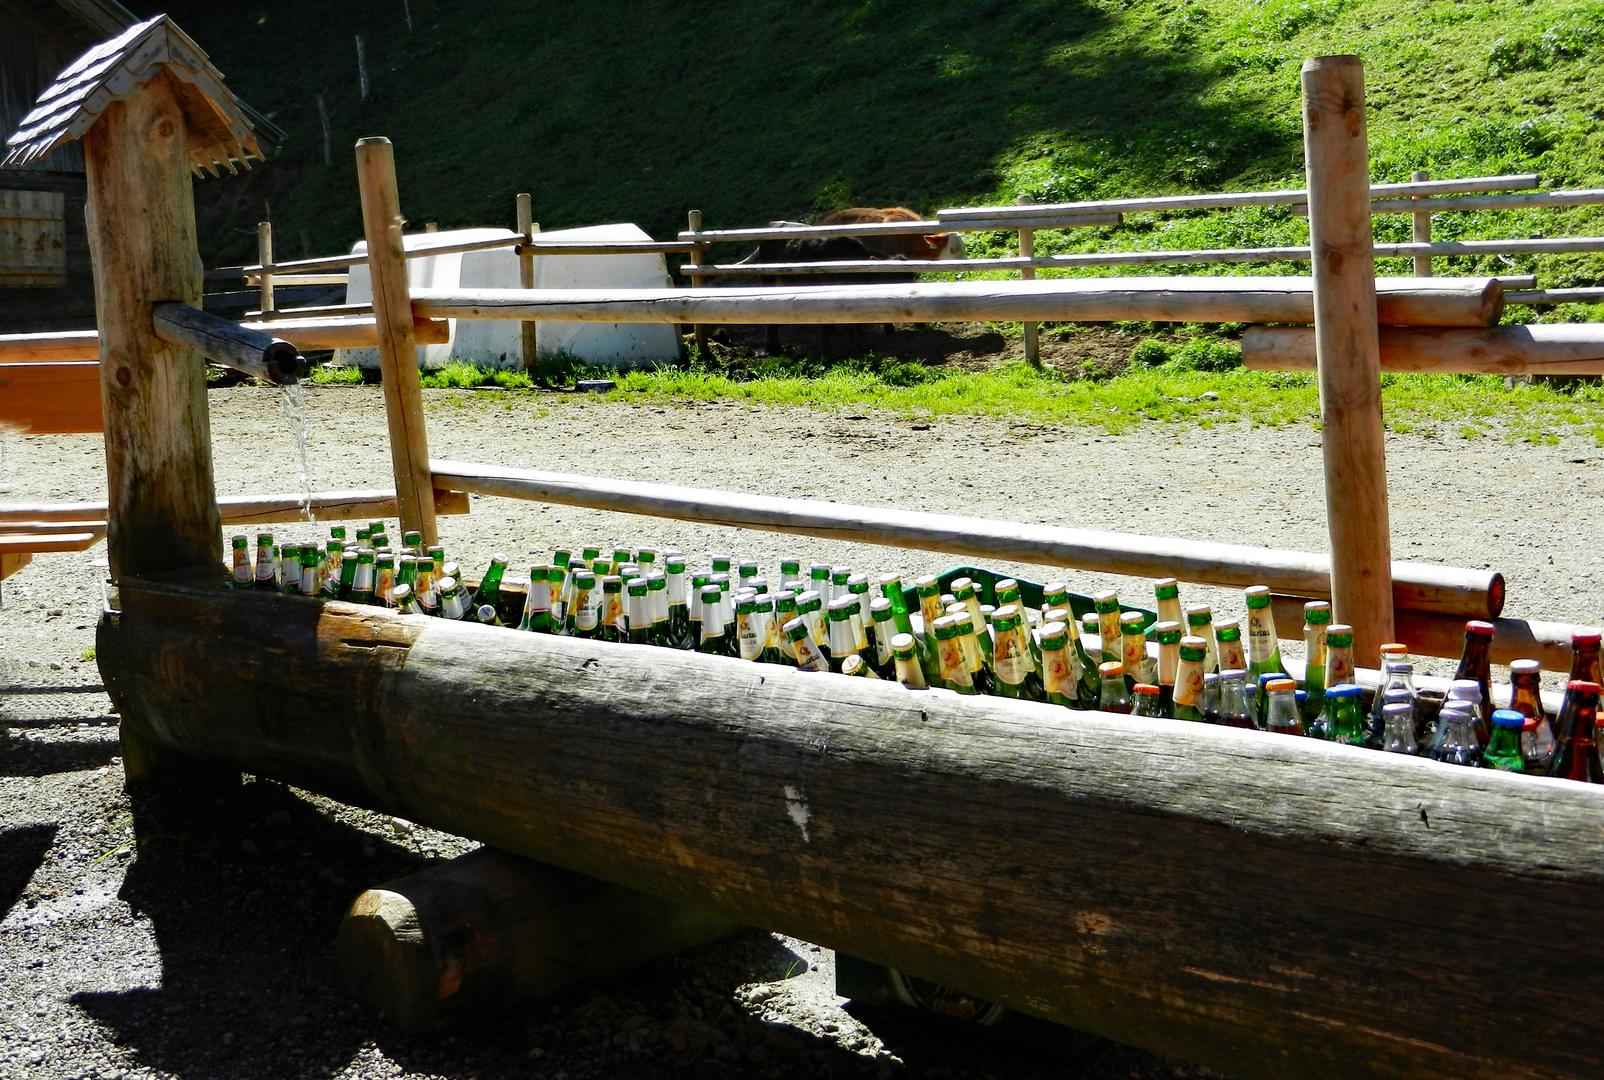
(1576, 755)
(1477, 664)
(1584, 663)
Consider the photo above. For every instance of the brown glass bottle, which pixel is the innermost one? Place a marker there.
(1584, 664)
(1525, 697)
(1475, 664)
(1576, 755)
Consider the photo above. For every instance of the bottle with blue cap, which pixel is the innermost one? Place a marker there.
(1503, 751)
(1344, 719)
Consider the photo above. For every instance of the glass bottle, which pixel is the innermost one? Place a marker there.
(488, 615)
(1228, 639)
(790, 569)
(1089, 685)
(1584, 662)
(404, 602)
(679, 612)
(1235, 711)
(1390, 651)
(1503, 751)
(1281, 707)
(1133, 649)
(1339, 655)
(1576, 756)
(1211, 697)
(1316, 620)
(810, 609)
(1187, 703)
(489, 591)
(1264, 650)
(425, 592)
(657, 603)
(1398, 678)
(1168, 634)
(348, 563)
(1014, 670)
(1456, 735)
(537, 601)
(636, 623)
(954, 665)
(854, 665)
(289, 569)
(1145, 700)
(843, 641)
(362, 579)
(909, 671)
(1059, 684)
(1398, 729)
(807, 654)
(1106, 604)
(963, 591)
(1054, 594)
(1476, 664)
(412, 540)
(1525, 697)
(1344, 714)
(819, 578)
(979, 674)
(768, 630)
(1168, 592)
(839, 576)
(881, 630)
(784, 611)
(928, 590)
(611, 627)
(383, 575)
(560, 558)
(266, 562)
(584, 617)
(451, 602)
(858, 592)
(1114, 697)
(1200, 624)
(712, 641)
(241, 570)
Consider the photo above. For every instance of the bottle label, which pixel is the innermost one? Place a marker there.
(308, 581)
(953, 667)
(1056, 671)
(242, 570)
(1231, 658)
(384, 584)
(451, 605)
(1189, 685)
(1108, 630)
(264, 565)
(1261, 634)
(808, 656)
(364, 578)
(882, 643)
(1339, 667)
(1314, 646)
(539, 599)
(613, 610)
(1010, 660)
(749, 633)
(1135, 654)
(586, 614)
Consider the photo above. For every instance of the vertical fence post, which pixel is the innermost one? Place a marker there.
(1347, 347)
(1027, 249)
(264, 255)
(526, 272)
(693, 222)
(398, 346)
(1422, 234)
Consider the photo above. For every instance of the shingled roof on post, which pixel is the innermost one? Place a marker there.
(219, 130)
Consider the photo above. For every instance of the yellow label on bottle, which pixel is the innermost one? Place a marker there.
(1189, 684)
(1261, 634)
(953, 666)
(1231, 658)
(1108, 630)
(1135, 657)
(1010, 659)
(1056, 671)
(1314, 645)
(613, 609)
(1339, 667)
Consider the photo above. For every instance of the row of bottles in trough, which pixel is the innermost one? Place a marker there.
(819, 617)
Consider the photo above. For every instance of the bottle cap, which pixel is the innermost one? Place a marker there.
(1113, 669)
(1053, 635)
(987, 612)
(1130, 622)
(1524, 667)
(901, 642)
(1478, 629)
(1405, 710)
(1006, 585)
(1508, 718)
(1583, 685)
(795, 630)
(960, 584)
(1145, 688)
(927, 585)
(1105, 601)
(1464, 690)
(1234, 673)
(1400, 667)
(1317, 612)
(1394, 648)
(1587, 636)
(945, 627)
(401, 594)
(1167, 633)
(1191, 641)
(1007, 611)
(955, 607)
(1397, 694)
(1257, 596)
(1343, 690)
(1266, 677)
(1058, 615)
(612, 583)
(1280, 683)
(1199, 615)
(1167, 589)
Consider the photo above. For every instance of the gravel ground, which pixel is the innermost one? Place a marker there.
(207, 953)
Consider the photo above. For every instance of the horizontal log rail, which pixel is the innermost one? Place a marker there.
(1554, 200)
(284, 272)
(1555, 296)
(1314, 928)
(1420, 586)
(878, 228)
(1539, 349)
(1030, 214)
(357, 504)
(321, 332)
(1405, 301)
(243, 349)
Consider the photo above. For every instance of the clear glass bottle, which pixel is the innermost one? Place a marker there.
(1235, 710)
(1399, 679)
(1345, 714)
(1316, 620)
(1187, 703)
(1456, 735)
(1281, 707)
(1114, 697)
(1503, 751)
(1145, 700)
(1211, 697)
(1398, 729)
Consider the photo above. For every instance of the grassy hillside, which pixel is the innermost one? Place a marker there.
(642, 109)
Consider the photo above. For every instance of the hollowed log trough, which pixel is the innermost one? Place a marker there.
(1271, 906)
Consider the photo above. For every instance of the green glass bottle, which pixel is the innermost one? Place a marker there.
(489, 591)
(843, 641)
(1168, 635)
(405, 604)
(1503, 752)
(855, 665)
(536, 616)
(954, 665)
(980, 676)
(639, 616)
(348, 564)
(611, 627)
(1339, 655)
(713, 640)
(266, 562)
(1316, 621)
(909, 671)
(1014, 673)
(1059, 684)
(858, 590)
(646, 559)
(1228, 641)
(839, 575)
(453, 605)
(1139, 667)
(679, 612)
(720, 563)
(819, 579)
(807, 654)
(963, 592)
(1344, 717)
(790, 570)
(784, 611)
(1200, 624)
(289, 569)
(584, 618)
(1054, 594)
(882, 628)
(1168, 593)
(363, 581)
(1187, 701)
(1264, 650)
(768, 630)
(561, 593)
(412, 540)
(383, 577)
(1106, 604)
(810, 609)
(242, 573)
(928, 590)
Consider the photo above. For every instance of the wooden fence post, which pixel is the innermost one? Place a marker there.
(1027, 249)
(1422, 230)
(398, 348)
(1336, 157)
(526, 271)
(693, 222)
(264, 255)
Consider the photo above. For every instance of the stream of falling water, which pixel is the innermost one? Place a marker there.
(292, 402)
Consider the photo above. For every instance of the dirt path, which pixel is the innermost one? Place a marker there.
(207, 955)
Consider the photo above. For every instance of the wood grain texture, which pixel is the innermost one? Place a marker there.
(1538, 349)
(241, 348)
(1402, 301)
(1027, 252)
(351, 505)
(1337, 912)
(1471, 593)
(398, 354)
(462, 943)
(304, 332)
(1352, 436)
(141, 215)
(1420, 229)
(51, 399)
(526, 271)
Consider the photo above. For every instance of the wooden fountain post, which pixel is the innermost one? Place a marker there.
(1337, 159)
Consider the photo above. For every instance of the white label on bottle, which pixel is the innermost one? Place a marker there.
(364, 578)
(1339, 667)
(747, 633)
(1189, 684)
(451, 605)
(883, 632)
(586, 614)
(1010, 661)
(264, 565)
(1261, 634)
(308, 581)
(808, 656)
(953, 667)
(242, 571)
(539, 598)
(1056, 672)
(1231, 658)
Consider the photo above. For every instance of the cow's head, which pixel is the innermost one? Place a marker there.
(950, 245)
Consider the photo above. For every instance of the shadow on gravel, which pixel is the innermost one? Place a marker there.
(27, 757)
(22, 850)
